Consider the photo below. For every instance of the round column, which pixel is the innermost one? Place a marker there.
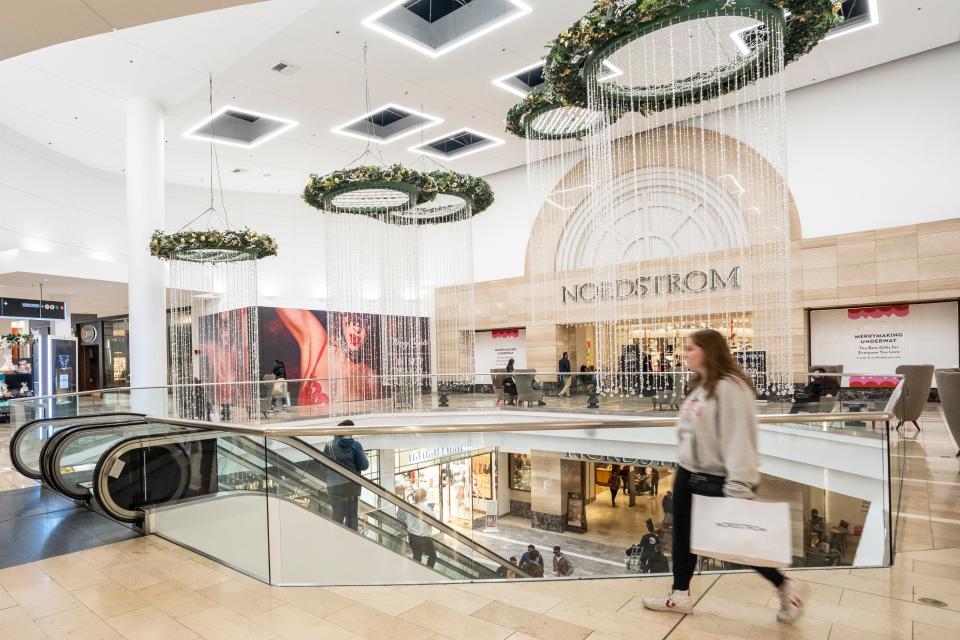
(146, 285)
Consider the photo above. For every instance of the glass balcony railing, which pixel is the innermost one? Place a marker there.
(450, 493)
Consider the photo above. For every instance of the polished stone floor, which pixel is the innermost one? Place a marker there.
(146, 589)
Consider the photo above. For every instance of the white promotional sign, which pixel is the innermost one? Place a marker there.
(876, 340)
(493, 349)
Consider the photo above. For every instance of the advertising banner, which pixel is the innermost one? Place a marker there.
(876, 340)
(494, 349)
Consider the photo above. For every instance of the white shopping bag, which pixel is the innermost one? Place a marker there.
(745, 532)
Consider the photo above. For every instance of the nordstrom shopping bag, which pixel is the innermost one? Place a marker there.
(742, 531)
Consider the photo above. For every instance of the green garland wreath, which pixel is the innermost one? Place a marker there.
(609, 21)
(540, 102)
(166, 246)
(423, 187)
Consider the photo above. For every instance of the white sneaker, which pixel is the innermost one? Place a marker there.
(677, 601)
(793, 601)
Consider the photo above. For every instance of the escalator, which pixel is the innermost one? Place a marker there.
(146, 472)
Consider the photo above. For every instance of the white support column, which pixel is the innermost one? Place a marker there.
(147, 287)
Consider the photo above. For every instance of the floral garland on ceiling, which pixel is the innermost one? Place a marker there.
(423, 186)
(610, 20)
(166, 246)
(16, 340)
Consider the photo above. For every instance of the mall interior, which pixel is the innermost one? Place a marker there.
(317, 315)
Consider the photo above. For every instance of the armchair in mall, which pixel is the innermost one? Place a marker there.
(528, 389)
(496, 377)
(948, 385)
(918, 379)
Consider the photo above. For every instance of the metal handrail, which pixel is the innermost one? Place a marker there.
(291, 430)
(61, 396)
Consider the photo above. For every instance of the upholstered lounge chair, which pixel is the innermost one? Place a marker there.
(918, 378)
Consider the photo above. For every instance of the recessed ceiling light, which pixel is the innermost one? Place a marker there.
(856, 17)
(522, 81)
(456, 144)
(387, 124)
(239, 127)
(435, 33)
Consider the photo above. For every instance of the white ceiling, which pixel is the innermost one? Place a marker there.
(82, 295)
(71, 96)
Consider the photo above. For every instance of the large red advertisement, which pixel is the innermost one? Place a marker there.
(345, 355)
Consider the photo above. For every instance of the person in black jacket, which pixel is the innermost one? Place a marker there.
(279, 369)
(343, 492)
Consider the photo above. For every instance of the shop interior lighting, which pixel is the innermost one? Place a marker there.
(376, 22)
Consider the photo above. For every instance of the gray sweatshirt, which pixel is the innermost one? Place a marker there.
(724, 444)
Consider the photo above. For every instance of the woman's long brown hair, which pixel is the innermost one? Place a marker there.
(717, 360)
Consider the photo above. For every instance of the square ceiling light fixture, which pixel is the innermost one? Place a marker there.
(239, 127)
(436, 27)
(523, 81)
(387, 124)
(456, 145)
(857, 14)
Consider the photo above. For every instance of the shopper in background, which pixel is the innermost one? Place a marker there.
(509, 384)
(654, 481)
(279, 369)
(345, 493)
(531, 563)
(807, 398)
(419, 530)
(280, 385)
(614, 484)
(717, 448)
(507, 573)
(561, 566)
(668, 510)
(564, 367)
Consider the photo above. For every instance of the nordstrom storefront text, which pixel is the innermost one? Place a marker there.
(696, 281)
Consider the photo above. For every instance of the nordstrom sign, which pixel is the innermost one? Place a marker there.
(643, 286)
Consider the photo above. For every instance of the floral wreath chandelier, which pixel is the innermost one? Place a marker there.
(576, 56)
(212, 245)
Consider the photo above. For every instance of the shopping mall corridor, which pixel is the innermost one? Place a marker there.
(144, 588)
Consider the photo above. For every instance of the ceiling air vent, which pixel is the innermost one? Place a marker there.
(284, 68)
(386, 124)
(435, 27)
(239, 171)
(457, 144)
(240, 127)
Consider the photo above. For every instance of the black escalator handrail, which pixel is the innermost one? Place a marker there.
(18, 435)
(403, 505)
(54, 448)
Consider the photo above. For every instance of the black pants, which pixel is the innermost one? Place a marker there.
(423, 545)
(345, 510)
(684, 562)
(613, 496)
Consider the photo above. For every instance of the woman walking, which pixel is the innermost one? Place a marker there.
(717, 446)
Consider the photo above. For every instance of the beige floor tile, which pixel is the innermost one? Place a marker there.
(6, 600)
(109, 599)
(75, 574)
(247, 598)
(316, 600)
(374, 625)
(133, 576)
(193, 574)
(390, 601)
(934, 569)
(519, 595)
(220, 623)
(538, 625)
(455, 599)
(174, 599)
(440, 619)
(150, 624)
(902, 610)
(78, 624)
(621, 624)
(950, 557)
(103, 557)
(706, 623)
(602, 594)
(846, 581)
(923, 631)
(22, 575)
(293, 623)
(843, 632)
(43, 599)
(15, 624)
(765, 618)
